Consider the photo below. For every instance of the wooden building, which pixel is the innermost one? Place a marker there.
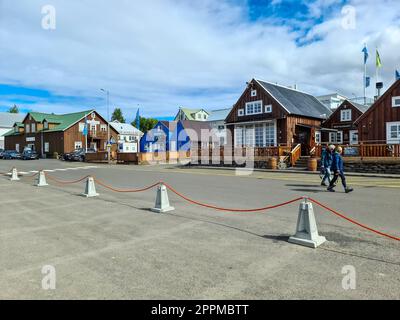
(381, 123)
(342, 121)
(50, 133)
(268, 115)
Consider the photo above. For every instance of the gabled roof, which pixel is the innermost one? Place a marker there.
(378, 102)
(296, 102)
(362, 108)
(7, 119)
(219, 115)
(189, 113)
(358, 106)
(125, 128)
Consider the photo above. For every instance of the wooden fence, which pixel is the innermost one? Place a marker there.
(367, 150)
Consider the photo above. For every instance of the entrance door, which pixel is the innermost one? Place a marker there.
(303, 137)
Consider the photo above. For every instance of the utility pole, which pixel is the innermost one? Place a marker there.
(108, 125)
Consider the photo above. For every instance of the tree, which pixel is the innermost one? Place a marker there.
(14, 109)
(146, 124)
(117, 115)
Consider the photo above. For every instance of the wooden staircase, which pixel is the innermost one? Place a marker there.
(302, 163)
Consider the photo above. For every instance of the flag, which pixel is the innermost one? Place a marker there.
(367, 81)
(85, 128)
(365, 50)
(378, 60)
(397, 75)
(137, 120)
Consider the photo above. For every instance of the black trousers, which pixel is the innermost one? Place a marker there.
(336, 177)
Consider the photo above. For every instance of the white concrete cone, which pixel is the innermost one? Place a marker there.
(41, 180)
(162, 201)
(14, 175)
(90, 190)
(307, 231)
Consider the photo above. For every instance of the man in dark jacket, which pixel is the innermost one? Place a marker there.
(338, 169)
(326, 163)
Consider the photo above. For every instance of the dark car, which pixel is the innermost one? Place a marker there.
(30, 155)
(81, 154)
(1, 153)
(11, 155)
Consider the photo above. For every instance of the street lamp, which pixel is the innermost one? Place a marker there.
(108, 123)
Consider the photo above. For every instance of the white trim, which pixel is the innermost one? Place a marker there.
(258, 81)
(341, 137)
(253, 93)
(240, 112)
(345, 115)
(351, 133)
(394, 105)
(389, 139)
(260, 102)
(268, 108)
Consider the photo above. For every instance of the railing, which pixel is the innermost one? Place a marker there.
(366, 150)
(295, 155)
(243, 152)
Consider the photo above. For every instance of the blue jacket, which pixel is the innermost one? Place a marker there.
(326, 158)
(337, 163)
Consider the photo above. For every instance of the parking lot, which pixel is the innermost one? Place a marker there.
(114, 247)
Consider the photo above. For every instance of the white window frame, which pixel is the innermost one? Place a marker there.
(17, 147)
(332, 137)
(318, 137)
(45, 125)
(268, 108)
(103, 128)
(78, 145)
(339, 134)
(241, 112)
(46, 147)
(351, 140)
(394, 105)
(253, 93)
(345, 115)
(27, 128)
(389, 138)
(253, 103)
(33, 127)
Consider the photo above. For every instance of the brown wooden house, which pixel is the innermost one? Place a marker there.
(381, 123)
(50, 133)
(342, 122)
(268, 115)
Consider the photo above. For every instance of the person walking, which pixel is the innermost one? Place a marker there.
(338, 168)
(326, 163)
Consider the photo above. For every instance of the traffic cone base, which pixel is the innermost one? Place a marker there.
(162, 201)
(41, 180)
(14, 175)
(307, 231)
(90, 189)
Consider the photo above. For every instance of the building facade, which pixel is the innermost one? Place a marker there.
(332, 101)
(216, 120)
(128, 137)
(342, 121)
(192, 114)
(7, 121)
(50, 133)
(269, 115)
(381, 123)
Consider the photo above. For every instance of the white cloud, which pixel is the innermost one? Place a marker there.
(161, 54)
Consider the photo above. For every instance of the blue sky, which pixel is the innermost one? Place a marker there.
(159, 55)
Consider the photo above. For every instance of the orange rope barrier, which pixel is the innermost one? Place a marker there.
(354, 222)
(125, 190)
(65, 182)
(230, 210)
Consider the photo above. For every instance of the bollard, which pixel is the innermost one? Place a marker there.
(41, 180)
(162, 201)
(90, 190)
(14, 175)
(307, 231)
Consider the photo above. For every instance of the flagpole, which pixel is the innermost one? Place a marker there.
(365, 83)
(377, 71)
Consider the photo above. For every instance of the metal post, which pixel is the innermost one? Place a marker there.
(108, 127)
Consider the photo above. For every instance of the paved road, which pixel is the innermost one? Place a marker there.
(113, 247)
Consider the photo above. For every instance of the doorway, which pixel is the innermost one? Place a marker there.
(303, 136)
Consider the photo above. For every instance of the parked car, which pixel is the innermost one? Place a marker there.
(81, 154)
(11, 155)
(1, 153)
(30, 155)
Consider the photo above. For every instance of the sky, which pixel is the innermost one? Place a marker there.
(158, 55)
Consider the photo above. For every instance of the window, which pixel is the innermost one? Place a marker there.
(46, 147)
(240, 112)
(220, 128)
(396, 102)
(46, 125)
(17, 147)
(239, 136)
(78, 145)
(353, 137)
(249, 136)
(103, 128)
(33, 125)
(345, 115)
(332, 137)
(268, 108)
(393, 132)
(205, 117)
(339, 137)
(16, 129)
(81, 126)
(27, 128)
(254, 93)
(259, 135)
(270, 134)
(93, 128)
(254, 107)
(318, 137)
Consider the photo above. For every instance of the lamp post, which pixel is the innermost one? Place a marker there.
(108, 124)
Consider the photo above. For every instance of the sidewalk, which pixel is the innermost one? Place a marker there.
(300, 171)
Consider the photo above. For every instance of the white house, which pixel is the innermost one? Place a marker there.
(192, 114)
(128, 137)
(333, 100)
(7, 121)
(217, 122)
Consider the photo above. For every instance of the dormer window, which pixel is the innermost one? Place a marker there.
(27, 128)
(45, 125)
(16, 129)
(33, 125)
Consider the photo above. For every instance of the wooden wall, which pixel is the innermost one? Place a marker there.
(372, 125)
